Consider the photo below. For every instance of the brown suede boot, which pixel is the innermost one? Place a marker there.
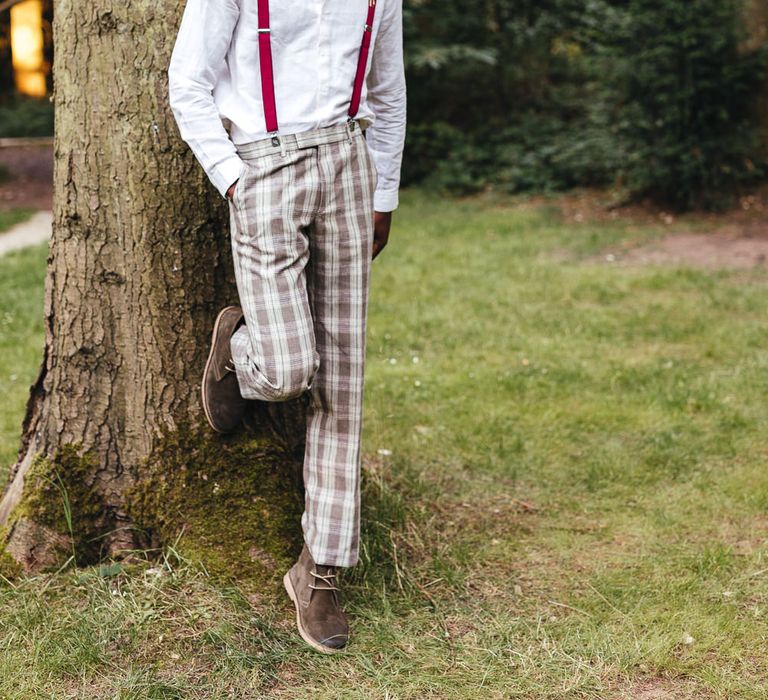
(222, 402)
(319, 617)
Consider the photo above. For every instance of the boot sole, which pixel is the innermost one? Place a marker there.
(315, 645)
(214, 340)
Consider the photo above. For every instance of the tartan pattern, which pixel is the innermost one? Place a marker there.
(301, 220)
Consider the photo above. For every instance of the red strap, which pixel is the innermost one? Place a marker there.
(267, 74)
(362, 60)
(265, 63)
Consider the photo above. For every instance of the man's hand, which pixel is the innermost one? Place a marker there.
(382, 222)
(231, 190)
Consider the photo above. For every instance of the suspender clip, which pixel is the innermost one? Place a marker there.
(277, 141)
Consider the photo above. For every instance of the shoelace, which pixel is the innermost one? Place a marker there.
(328, 579)
(230, 366)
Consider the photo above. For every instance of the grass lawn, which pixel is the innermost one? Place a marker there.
(21, 331)
(566, 491)
(12, 217)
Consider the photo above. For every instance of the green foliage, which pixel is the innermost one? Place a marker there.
(26, 117)
(686, 92)
(656, 97)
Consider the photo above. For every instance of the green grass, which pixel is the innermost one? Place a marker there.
(566, 492)
(11, 217)
(21, 327)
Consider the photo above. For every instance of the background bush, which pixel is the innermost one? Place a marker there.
(26, 117)
(653, 96)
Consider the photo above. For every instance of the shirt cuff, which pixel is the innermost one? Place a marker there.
(385, 200)
(226, 172)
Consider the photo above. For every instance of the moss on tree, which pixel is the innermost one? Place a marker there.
(60, 512)
(58, 494)
(9, 568)
(232, 504)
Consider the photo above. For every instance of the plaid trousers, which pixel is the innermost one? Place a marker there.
(301, 220)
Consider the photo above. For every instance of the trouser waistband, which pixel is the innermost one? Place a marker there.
(282, 143)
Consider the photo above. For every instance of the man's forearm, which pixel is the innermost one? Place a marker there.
(198, 55)
(387, 100)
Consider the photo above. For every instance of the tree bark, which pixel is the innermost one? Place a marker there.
(138, 267)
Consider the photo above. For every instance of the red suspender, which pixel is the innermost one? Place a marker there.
(362, 60)
(267, 74)
(265, 63)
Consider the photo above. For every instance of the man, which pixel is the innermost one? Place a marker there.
(296, 111)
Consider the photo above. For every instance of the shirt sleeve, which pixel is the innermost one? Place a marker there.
(386, 98)
(197, 60)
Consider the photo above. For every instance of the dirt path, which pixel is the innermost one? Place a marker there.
(35, 230)
(30, 177)
(732, 239)
(725, 248)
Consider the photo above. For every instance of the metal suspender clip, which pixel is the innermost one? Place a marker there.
(277, 141)
(351, 123)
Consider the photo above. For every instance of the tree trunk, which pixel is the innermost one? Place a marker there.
(138, 267)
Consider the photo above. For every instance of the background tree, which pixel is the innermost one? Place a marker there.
(656, 97)
(756, 20)
(113, 456)
(6, 69)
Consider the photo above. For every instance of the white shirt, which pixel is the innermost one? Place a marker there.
(214, 76)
